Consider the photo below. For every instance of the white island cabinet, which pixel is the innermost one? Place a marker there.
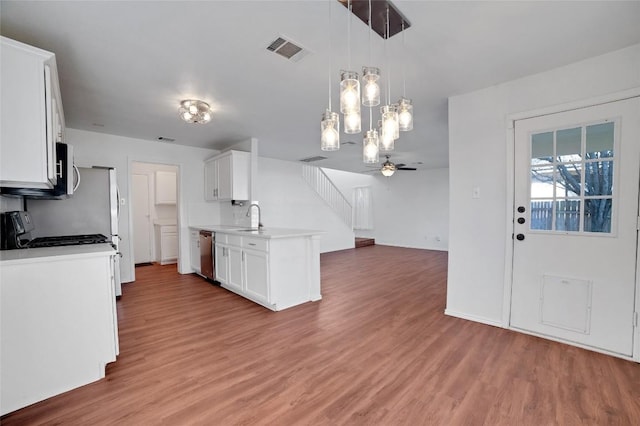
(277, 268)
(58, 321)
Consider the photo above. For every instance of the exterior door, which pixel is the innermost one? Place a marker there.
(575, 225)
(141, 219)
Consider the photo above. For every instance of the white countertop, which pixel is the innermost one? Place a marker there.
(266, 232)
(165, 222)
(8, 257)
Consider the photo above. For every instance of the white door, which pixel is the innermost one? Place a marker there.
(141, 219)
(575, 225)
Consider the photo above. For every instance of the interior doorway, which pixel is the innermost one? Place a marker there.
(155, 231)
(575, 226)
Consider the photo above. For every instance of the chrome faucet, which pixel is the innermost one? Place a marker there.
(259, 214)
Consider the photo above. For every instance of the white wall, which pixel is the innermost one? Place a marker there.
(410, 208)
(120, 152)
(287, 201)
(478, 157)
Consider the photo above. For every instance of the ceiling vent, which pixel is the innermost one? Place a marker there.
(287, 49)
(312, 159)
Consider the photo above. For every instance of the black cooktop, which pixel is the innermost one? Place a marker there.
(67, 240)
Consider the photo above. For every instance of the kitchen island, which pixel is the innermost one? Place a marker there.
(275, 267)
(58, 320)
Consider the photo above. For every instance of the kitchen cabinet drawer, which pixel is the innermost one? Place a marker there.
(261, 244)
(234, 240)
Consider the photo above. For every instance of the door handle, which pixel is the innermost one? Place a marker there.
(520, 237)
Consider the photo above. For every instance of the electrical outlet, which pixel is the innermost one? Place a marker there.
(475, 193)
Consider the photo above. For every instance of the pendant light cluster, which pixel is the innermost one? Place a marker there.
(394, 117)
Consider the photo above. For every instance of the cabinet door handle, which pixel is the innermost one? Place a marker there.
(252, 244)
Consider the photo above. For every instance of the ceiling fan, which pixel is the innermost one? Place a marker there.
(389, 168)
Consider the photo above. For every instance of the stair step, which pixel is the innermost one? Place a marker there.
(363, 242)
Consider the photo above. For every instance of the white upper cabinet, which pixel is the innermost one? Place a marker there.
(227, 176)
(31, 115)
(165, 187)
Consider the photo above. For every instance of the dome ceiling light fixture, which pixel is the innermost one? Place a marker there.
(195, 111)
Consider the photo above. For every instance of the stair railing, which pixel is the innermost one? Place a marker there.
(327, 190)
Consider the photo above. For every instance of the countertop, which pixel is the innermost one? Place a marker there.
(9, 257)
(165, 222)
(266, 232)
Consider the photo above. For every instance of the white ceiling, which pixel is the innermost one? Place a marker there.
(124, 66)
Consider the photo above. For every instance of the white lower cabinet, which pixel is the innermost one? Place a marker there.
(194, 250)
(256, 275)
(52, 343)
(221, 264)
(235, 276)
(167, 243)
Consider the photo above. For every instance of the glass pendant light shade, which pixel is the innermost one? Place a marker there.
(386, 143)
(390, 127)
(352, 122)
(370, 87)
(370, 151)
(349, 92)
(330, 131)
(405, 115)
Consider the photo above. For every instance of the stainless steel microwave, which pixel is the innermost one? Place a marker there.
(66, 174)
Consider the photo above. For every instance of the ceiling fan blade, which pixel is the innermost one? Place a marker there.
(406, 168)
(398, 165)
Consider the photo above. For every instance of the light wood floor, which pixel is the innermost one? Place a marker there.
(376, 350)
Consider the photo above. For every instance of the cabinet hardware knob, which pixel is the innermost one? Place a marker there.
(520, 237)
(521, 220)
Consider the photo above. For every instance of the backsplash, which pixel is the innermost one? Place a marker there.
(8, 204)
(234, 214)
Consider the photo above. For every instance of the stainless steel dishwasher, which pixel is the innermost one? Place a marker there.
(207, 267)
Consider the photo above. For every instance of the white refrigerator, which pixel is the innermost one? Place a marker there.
(93, 209)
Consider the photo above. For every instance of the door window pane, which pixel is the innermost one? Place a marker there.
(598, 178)
(542, 182)
(569, 180)
(542, 146)
(597, 215)
(568, 215)
(542, 215)
(568, 144)
(600, 140)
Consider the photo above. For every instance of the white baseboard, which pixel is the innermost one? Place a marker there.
(473, 318)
